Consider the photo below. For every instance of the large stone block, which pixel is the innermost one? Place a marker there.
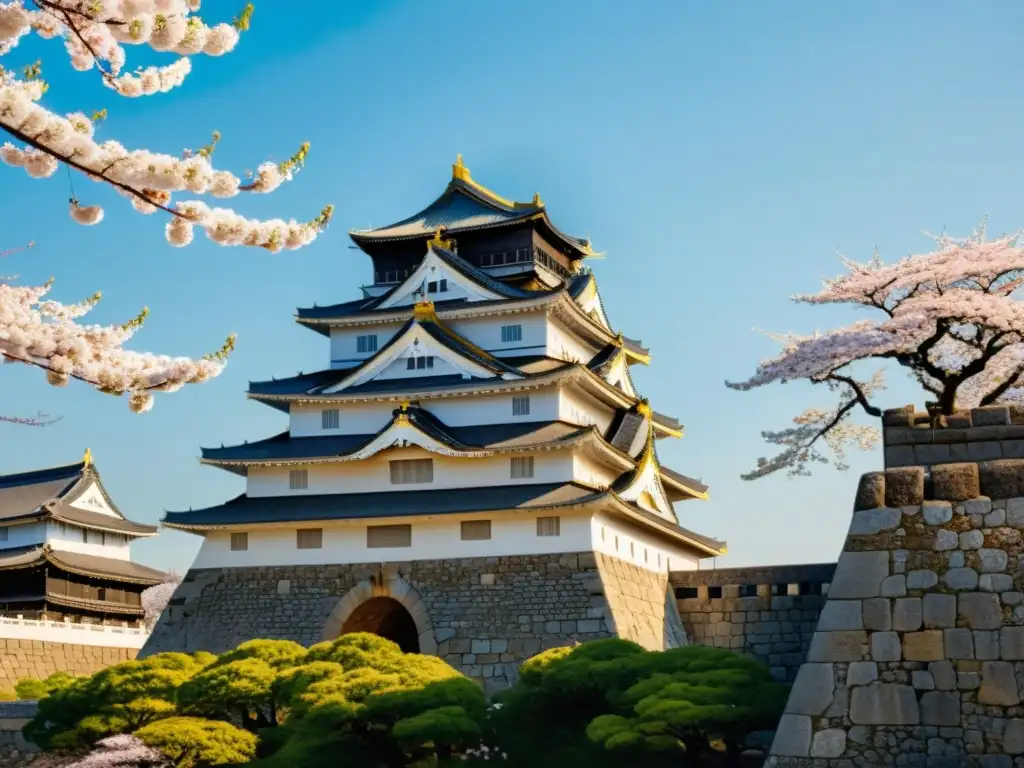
(1013, 737)
(838, 646)
(1002, 478)
(861, 673)
(870, 491)
(940, 708)
(980, 610)
(859, 575)
(959, 643)
(923, 646)
(904, 486)
(877, 615)
(829, 743)
(872, 521)
(1011, 643)
(884, 704)
(955, 482)
(793, 736)
(939, 610)
(907, 614)
(841, 615)
(812, 690)
(937, 512)
(998, 684)
(885, 646)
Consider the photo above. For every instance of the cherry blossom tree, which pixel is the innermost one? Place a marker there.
(949, 317)
(156, 598)
(95, 35)
(45, 333)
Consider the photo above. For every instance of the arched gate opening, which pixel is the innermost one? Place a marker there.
(388, 618)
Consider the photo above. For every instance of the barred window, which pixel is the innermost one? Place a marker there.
(366, 344)
(522, 466)
(549, 526)
(407, 471)
(420, 362)
(309, 538)
(380, 536)
(432, 286)
(330, 418)
(442, 286)
(510, 333)
(298, 479)
(521, 405)
(239, 542)
(476, 530)
(4, 533)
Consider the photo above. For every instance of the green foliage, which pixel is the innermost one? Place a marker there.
(279, 654)
(118, 699)
(241, 688)
(33, 690)
(636, 706)
(193, 742)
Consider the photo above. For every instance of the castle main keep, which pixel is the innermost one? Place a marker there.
(474, 475)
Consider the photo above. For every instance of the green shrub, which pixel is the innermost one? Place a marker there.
(193, 742)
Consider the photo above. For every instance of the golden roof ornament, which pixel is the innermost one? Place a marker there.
(459, 171)
(644, 408)
(404, 406)
(537, 202)
(424, 310)
(439, 242)
(87, 458)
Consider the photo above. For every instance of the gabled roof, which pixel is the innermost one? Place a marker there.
(467, 206)
(58, 493)
(80, 564)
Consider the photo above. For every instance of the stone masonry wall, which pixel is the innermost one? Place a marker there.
(482, 615)
(918, 656)
(982, 434)
(15, 715)
(768, 612)
(37, 659)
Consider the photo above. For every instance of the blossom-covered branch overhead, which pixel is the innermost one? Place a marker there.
(949, 317)
(95, 36)
(45, 333)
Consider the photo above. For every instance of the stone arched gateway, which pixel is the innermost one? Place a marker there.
(384, 605)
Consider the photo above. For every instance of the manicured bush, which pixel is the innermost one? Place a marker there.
(194, 742)
(33, 690)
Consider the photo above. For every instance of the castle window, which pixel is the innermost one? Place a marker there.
(686, 593)
(239, 542)
(93, 537)
(748, 590)
(330, 418)
(521, 405)
(714, 593)
(510, 333)
(298, 479)
(442, 286)
(632, 550)
(659, 559)
(366, 344)
(407, 471)
(616, 543)
(420, 362)
(437, 286)
(432, 286)
(549, 526)
(4, 533)
(101, 593)
(602, 533)
(381, 536)
(645, 554)
(476, 530)
(309, 538)
(522, 466)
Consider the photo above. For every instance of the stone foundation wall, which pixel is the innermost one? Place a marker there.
(918, 656)
(982, 434)
(640, 604)
(15, 715)
(768, 612)
(38, 659)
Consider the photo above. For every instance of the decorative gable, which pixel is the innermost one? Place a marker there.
(447, 283)
(93, 499)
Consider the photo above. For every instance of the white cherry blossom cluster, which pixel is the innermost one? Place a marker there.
(123, 751)
(156, 598)
(45, 333)
(949, 317)
(95, 35)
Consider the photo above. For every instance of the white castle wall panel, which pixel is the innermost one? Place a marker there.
(564, 344)
(577, 408)
(590, 472)
(69, 539)
(399, 369)
(432, 538)
(24, 535)
(374, 474)
(638, 546)
(105, 636)
(344, 342)
(486, 333)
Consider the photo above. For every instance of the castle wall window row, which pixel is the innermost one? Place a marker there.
(309, 538)
(521, 405)
(385, 536)
(298, 479)
(437, 286)
(475, 530)
(522, 467)
(511, 333)
(419, 362)
(330, 418)
(366, 344)
(409, 471)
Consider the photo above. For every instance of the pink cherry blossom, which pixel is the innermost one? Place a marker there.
(948, 316)
(96, 36)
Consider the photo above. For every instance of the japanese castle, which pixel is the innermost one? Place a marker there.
(65, 559)
(478, 403)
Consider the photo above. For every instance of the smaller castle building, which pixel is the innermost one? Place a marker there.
(70, 595)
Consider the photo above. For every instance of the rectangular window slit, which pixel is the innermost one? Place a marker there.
(476, 530)
(309, 538)
(383, 536)
(522, 467)
(298, 479)
(239, 542)
(549, 526)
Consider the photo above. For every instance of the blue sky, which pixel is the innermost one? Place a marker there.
(718, 152)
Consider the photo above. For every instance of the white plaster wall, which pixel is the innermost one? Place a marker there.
(368, 418)
(590, 472)
(432, 538)
(69, 539)
(562, 343)
(577, 408)
(614, 537)
(93, 501)
(76, 634)
(374, 474)
(485, 332)
(24, 535)
(343, 342)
